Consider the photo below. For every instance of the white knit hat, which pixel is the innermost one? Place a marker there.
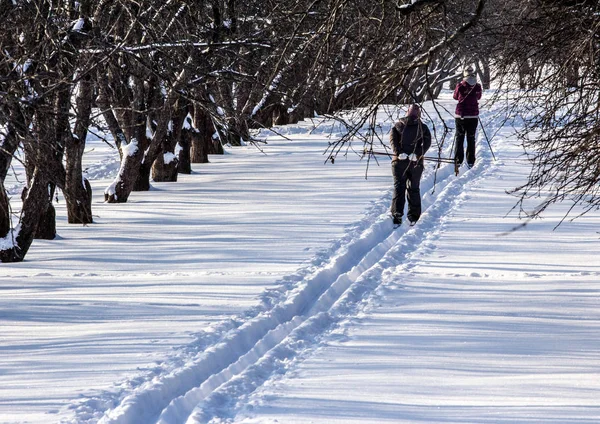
(469, 75)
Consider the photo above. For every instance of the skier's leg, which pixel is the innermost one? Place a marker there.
(471, 128)
(399, 174)
(459, 141)
(413, 192)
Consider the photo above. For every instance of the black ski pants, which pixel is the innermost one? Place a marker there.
(407, 181)
(466, 126)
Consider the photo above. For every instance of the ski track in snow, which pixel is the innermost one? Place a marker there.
(240, 356)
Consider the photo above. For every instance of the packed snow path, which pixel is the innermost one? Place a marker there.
(480, 324)
(245, 357)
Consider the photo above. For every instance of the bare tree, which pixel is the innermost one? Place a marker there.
(559, 103)
(41, 69)
(419, 47)
(175, 81)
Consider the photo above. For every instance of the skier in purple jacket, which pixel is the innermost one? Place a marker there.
(468, 93)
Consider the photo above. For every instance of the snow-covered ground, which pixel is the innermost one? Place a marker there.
(271, 287)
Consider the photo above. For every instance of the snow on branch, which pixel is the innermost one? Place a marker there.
(179, 44)
(408, 8)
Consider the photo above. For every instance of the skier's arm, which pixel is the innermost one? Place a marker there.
(394, 140)
(478, 91)
(426, 139)
(455, 95)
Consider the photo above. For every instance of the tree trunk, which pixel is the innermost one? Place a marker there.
(572, 77)
(184, 160)
(200, 147)
(4, 212)
(9, 146)
(302, 111)
(46, 229)
(264, 117)
(280, 115)
(17, 243)
(164, 116)
(142, 181)
(103, 101)
(80, 211)
(132, 152)
(201, 137)
(165, 166)
(78, 197)
(524, 74)
(123, 185)
(78, 191)
(486, 75)
(50, 129)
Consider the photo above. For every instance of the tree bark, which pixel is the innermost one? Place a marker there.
(184, 159)
(103, 102)
(50, 129)
(4, 212)
(159, 137)
(7, 149)
(280, 115)
(572, 77)
(201, 136)
(46, 228)
(129, 172)
(132, 175)
(78, 191)
(524, 74)
(164, 168)
(166, 164)
(486, 75)
(33, 207)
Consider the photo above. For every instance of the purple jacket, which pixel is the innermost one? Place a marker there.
(467, 96)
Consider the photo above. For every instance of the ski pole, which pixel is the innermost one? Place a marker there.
(487, 139)
(431, 158)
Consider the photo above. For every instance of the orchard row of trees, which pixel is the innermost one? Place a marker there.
(175, 80)
(554, 55)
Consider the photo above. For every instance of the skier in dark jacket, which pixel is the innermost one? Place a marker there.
(468, 93)
(410, 139)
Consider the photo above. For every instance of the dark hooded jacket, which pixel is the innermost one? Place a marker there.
(410, 135)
